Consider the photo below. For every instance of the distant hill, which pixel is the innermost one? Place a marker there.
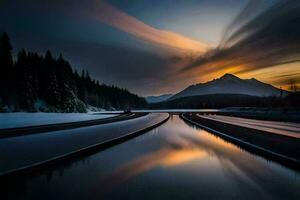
(156, 99)
(230, 84)
(217, 101)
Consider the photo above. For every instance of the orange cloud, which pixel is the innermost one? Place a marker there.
(116, 18)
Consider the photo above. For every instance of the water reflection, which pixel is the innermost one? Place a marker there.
(173, 161)
(185, 146)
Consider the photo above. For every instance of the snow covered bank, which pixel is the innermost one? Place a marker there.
(21, 119)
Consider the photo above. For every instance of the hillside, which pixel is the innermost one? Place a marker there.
(34, 82)
(156, 99)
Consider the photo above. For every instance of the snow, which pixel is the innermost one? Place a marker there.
(93, 109)
(176, 110)
(280, 128)
(22, 119)
(230, 84)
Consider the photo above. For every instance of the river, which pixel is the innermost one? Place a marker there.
(173, 161)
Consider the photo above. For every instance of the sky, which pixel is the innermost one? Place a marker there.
(162, 46)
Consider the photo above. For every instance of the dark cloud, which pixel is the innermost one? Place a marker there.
(119, 64)
(287, 75)
(110, 55)
(142, 71)
(258, 37)
(269, 38)
(241, 18)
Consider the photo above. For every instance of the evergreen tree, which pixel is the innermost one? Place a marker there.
(6, 70)
(34, 79)
(54, 94)
(26, 81)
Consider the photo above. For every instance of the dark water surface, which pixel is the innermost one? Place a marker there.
(173, 161)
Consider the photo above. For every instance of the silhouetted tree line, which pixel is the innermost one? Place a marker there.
(229, 100)
(43, 83)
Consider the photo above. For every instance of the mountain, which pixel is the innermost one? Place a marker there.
(156, 99)
(230, 84)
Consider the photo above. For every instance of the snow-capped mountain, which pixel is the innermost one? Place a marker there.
(156, 99)
(230, 84)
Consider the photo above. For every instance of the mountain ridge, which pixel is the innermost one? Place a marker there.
(231, 84)
(157, 99)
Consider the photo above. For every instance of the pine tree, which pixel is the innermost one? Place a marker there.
(26, 83)
(69, 101)
(6, 70)
(53, 83)
(53, 91)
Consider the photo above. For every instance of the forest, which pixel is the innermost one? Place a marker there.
(42, 83)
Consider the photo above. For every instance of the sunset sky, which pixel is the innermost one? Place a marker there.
(162, 46)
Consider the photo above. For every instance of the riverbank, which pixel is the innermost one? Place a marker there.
(281, 148)
(173, 161)
(273, 114)
(102, 119)
(23, 153)
(25, 119)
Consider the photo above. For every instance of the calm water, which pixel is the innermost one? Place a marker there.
(174, 161)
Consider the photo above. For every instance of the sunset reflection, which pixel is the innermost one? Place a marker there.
(190, 156)
(175, 158)
(183, 146)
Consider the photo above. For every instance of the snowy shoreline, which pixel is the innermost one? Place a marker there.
(23, 119)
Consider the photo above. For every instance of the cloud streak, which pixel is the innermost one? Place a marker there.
(116, 18)
(269, 38)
